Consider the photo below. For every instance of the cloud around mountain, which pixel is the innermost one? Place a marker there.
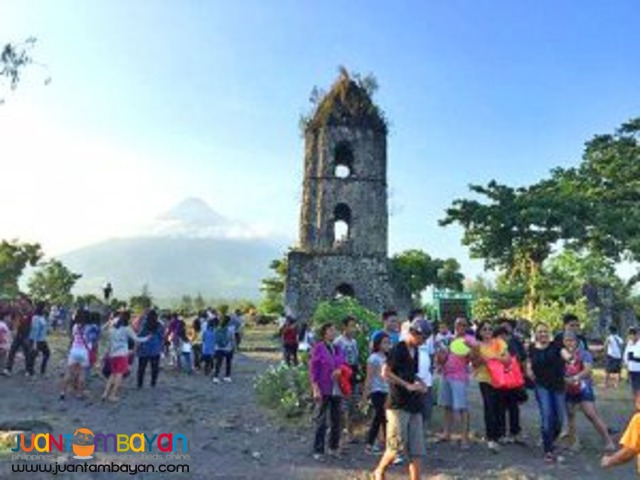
(187, 250)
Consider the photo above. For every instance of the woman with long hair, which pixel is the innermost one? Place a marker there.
(78, 359)
(149, 352)
(491, 348)
(118, 351)
(376, 389)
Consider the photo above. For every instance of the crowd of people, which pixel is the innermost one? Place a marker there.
(202, 346)
(414, 365)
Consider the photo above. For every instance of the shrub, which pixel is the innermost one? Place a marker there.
(334, 311)
(285, 389)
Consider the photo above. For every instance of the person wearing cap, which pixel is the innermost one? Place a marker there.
(404, 407)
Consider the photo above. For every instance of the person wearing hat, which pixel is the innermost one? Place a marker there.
(404, 407)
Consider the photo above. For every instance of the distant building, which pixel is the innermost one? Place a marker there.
(343, 244)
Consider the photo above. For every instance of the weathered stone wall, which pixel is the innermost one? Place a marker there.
(320, 264)
(313, 278)
(364, 192)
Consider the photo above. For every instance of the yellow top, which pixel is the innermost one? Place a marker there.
(631, 437)
(494, 349)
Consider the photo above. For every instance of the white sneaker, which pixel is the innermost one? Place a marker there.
(216, 380)
(493, 446)
(227, 379)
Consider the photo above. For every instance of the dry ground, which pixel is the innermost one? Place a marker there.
(230, 437)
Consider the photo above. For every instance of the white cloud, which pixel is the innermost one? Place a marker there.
(65, 189)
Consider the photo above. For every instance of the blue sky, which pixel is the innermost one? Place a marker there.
(155, 101)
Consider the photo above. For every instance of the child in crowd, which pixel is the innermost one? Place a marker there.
(186, 349)
(376, 389)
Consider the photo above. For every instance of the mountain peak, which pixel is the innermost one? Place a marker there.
(194, 211)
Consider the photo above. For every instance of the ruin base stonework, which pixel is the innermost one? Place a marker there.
(313, 278)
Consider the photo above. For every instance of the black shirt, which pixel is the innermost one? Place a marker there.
(403, 365)
(548, 367)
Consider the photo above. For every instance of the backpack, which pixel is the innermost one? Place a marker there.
(222, 340)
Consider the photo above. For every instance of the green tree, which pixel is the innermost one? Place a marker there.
(334, 311)
(448, 275)
(53, 283)
(604, 192)
(416, 270)
(513, 230)
(273, 287)
(567, 274)
(14, 258)
(485, 308)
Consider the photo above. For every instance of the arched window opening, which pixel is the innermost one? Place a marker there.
(345, 290)
(343, 160)
(341, 223)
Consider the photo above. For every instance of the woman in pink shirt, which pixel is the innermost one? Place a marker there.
(454, 386)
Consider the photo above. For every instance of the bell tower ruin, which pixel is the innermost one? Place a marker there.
(343, 238)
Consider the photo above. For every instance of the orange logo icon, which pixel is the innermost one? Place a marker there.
(82, 444)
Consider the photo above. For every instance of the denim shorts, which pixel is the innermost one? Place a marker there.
(453, 394)
(586, 394)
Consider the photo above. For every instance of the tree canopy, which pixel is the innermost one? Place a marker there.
(15, 256)
(52, 283)
(591, 209)
(417, 270)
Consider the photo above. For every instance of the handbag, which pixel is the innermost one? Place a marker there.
(505, 377)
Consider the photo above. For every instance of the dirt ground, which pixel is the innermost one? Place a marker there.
(230, 437)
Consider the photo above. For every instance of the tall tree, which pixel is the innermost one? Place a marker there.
(273, 287)
(417, 270)
(604, 191)
(513, 230)
(14, 258)
(53, 283)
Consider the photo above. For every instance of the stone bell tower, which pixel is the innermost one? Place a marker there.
(343, 240)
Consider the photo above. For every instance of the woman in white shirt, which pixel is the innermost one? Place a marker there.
(119, 335)
(614, 346)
